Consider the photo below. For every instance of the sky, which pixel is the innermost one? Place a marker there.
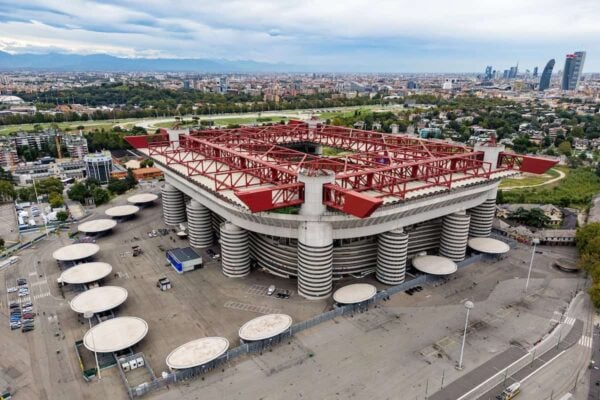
(323, 35)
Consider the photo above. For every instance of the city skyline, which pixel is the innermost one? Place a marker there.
(392, 37)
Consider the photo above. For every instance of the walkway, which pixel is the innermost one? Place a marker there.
(561, 175)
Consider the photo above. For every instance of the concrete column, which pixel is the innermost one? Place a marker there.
(490, 153)
(173, 205)
(315, 260)
(235, 250)
(392, 247)
(199, 225)
(313, 192)
(482, 218)
(455, 234)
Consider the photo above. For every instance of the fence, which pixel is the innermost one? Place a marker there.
(260, 346)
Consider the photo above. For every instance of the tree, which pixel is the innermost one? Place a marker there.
(100, 196)
(62, 216)
(118, 186)
(7, 191)
(56, 200)
(49, 185)
(130, 179)
(594, 292)
(25, 194)
(78, 192)
(534, 217)
(2, 243)
(565, 148)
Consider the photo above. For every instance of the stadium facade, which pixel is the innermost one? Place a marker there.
(275, 200)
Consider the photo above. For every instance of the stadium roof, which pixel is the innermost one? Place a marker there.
(256, 168)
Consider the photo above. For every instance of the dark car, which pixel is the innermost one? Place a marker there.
(211, 253)
(14, 305)
(27, 328)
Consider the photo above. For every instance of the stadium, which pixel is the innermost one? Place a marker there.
(316, 203)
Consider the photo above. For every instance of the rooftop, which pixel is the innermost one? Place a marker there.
(258, 167)
(183, 254)
(197, 352)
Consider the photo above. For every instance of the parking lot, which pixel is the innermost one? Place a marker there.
(420, 329)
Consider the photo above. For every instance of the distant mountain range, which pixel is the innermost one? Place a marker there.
(105, 62)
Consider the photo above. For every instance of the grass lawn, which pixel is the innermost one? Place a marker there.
(88, 125)
(224, 121)
(575, 190)
(529, 179)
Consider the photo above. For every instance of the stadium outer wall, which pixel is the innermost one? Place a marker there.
(420, 218)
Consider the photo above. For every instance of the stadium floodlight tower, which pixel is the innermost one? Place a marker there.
(277, 200)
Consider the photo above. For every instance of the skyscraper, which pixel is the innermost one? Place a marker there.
(488, 73)
(546, 75)
(535, 72)
(572, 72)
(513, 72)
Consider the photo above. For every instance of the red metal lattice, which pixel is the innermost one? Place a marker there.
(259, 167)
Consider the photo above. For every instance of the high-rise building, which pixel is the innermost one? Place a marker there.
(573, 68)
(186, 84)
(223, 84)
(546, 75)
(535, 72)
(488, 73)
(512, 73)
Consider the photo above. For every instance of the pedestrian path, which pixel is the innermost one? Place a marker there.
(513, 355)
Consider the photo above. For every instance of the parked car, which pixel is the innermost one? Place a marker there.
(14, 326)
(27, 309)
(14, 305)
(11, 289)
(28, 304)
(21, 281)
(271, 290)
(27, 328)
(28, 316)
(211, 253)
(23, 294)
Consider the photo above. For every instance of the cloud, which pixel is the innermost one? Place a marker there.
(370, 34)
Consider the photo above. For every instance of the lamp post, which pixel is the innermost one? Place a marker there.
(89, 315)
(535, 241)
(468, 305)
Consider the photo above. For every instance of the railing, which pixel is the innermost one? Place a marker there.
(260, 346)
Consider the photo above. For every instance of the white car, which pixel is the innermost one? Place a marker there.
(23, 294)
(11, 289)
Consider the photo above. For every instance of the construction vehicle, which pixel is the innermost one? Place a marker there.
(137, 250)
(510, 392)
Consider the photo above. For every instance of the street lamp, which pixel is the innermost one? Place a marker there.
(89, 315)
(468, 305)
(535, 241)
